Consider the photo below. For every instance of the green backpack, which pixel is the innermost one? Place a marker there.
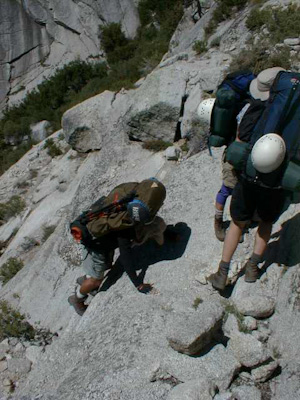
(109, 213)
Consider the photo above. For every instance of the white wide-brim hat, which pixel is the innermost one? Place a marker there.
(261, 85)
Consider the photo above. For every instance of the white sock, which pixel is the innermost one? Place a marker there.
(78, 294)
(219, 214)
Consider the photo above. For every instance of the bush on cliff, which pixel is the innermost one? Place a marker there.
(9, 269)
(11, 208)
(13, 324)
(225, 9)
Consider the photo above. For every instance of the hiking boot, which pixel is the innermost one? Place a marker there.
(219, 229)
(81, 279)
(251, 272)
(78, 304)
(219, 279)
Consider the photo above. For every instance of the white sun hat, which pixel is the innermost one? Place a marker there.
(261, 85)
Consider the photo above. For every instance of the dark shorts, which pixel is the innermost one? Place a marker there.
(246, 198)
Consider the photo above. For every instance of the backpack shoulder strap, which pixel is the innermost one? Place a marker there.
(241, 92)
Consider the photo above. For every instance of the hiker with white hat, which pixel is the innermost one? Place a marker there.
(260, 86)
(267, 155)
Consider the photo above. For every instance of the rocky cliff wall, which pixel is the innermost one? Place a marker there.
(39, 36)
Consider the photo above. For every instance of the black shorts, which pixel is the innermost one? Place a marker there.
(246, 198)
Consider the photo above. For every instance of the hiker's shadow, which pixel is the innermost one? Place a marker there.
(149, 253)
(285, 248)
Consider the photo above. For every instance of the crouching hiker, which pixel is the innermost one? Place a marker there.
(124, 218)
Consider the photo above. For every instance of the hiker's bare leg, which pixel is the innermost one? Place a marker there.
(219, 207)
(262, 237)
(89, 285)
(232, 239)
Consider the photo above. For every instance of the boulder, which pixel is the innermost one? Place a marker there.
(291, 41)
(246, 393)
(85, 124)
(231, 326)
(3, 366)
(284, 340)
(19, 365)
(253, 299)
(250, 323)
(287, 385)
(33, 353)
(219, 366)
(200, 389)
(264, 372)
(190, 333)
(248, 350)
(156, 105)
(173, 153)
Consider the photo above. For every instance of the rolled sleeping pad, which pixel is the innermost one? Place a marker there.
(217, 141)
(225, 98)
(237, 154)
(223, 122)
(291, 177)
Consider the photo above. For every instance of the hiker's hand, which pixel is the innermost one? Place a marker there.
(145, 288)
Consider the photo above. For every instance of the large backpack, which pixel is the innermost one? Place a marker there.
(231, 96)
(281, 116)
(109, 213)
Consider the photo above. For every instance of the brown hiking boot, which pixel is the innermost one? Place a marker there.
(219, 279)
(78, 304)
(81, 279)
(251, 272)
(219, 229)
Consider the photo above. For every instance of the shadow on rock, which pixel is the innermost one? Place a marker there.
(285, 250)
(176, 239)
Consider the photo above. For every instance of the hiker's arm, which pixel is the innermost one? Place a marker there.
(126, 259)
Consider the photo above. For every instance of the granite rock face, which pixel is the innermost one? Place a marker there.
(120, 349)
(37, 37)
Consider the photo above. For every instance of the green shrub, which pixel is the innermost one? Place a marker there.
(33, 173)
(281, 22)
(9, 269)
(13, 324)
(9, 155)
(53, 149)
(257, 18)
(166, 13)
(47, 232)
(197, 302)
(112, 37)
(156, 145)
(224, 10)
(200, 46)
(185, 147)
(29, 243)
(257, 58)
(12, 208)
